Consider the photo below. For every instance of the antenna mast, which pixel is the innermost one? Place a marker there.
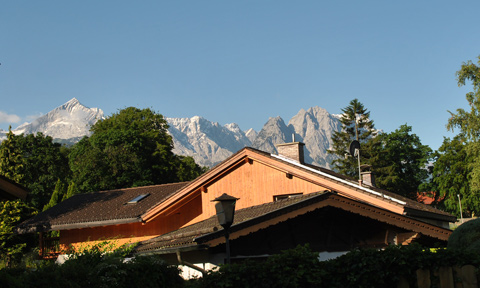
(357, 152)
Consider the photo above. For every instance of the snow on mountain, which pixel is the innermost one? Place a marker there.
(207, 142)
(71, 120)
(251, 134)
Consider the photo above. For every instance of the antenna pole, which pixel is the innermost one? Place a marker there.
(358, 152)
(359, 172)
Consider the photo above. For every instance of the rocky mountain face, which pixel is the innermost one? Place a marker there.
(207, 142)
(210, 143)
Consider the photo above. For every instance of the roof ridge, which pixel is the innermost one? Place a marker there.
(140, 187)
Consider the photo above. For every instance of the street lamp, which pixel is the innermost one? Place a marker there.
(225, 208)
(460, 204)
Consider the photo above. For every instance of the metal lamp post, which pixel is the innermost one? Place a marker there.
(225, 208)
(460, 204)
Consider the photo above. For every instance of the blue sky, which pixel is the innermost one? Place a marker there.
(240, 61)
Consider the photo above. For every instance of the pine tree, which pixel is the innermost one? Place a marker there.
(57, 195)
(72, 190)
(356, 125)
(11, 160)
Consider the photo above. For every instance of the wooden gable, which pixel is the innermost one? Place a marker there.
(245, 176)
(10, 190)
(257, 177)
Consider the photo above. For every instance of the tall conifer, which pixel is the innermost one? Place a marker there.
(356, 125)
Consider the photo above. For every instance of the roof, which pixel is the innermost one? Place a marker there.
(9, 190)
(99, 208)
(109, 208)
(251, 219)
(324, 177)
(185, 236)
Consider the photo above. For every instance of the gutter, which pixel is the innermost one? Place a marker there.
(45, 227)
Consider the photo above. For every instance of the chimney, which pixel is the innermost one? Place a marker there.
(368, 178)
(292, 151)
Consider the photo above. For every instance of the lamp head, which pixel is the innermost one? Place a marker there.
(225, 208)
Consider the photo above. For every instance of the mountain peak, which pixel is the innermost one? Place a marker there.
(208, 142)
(70, 120)
(72, 101)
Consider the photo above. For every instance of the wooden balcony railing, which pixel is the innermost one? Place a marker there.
(49, 247)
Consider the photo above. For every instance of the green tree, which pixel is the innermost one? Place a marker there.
(451, 174)
(11, 160)
(468, 123)
(356, 125)
(13, 246)
(35, 162)
(57, 195)
(187, 169)
(71, 190)
(399, 161)
(130, 148)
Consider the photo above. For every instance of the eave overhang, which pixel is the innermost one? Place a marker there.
(10, 190)
(350, 205)
(429, 215)
(45, 227)
(214, 237)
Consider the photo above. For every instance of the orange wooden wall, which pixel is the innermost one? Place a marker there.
(254, 183)
(135, 232)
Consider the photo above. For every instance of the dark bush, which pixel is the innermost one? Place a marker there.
(292, 268)
(96, 271)
(298, 267)
(466, 237)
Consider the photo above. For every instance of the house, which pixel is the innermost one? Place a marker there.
(282, 202)
(429, 198)
(10, 190)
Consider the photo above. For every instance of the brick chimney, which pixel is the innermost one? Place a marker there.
(368, 178)
(292, 151)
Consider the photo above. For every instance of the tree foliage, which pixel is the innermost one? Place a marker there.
(130, 148)
(399, 161)
(356, 125)
(11, 160)
(451, 174)
(468, 123)
(57, 195)
(35, 162)
(12, 246)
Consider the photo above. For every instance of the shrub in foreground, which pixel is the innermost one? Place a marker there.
(96, 270)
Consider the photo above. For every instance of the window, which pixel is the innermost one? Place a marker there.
(137, 199)
(286, 196)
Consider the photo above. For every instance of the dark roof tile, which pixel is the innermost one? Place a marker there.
(185, 236)
(100, 207)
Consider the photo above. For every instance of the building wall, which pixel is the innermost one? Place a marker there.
(254, 183)
(134, 232)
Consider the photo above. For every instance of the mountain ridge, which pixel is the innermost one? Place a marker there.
(208, 142)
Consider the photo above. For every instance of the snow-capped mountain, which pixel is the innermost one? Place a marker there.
(69, 122)
(207, 142)
(315, 128)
